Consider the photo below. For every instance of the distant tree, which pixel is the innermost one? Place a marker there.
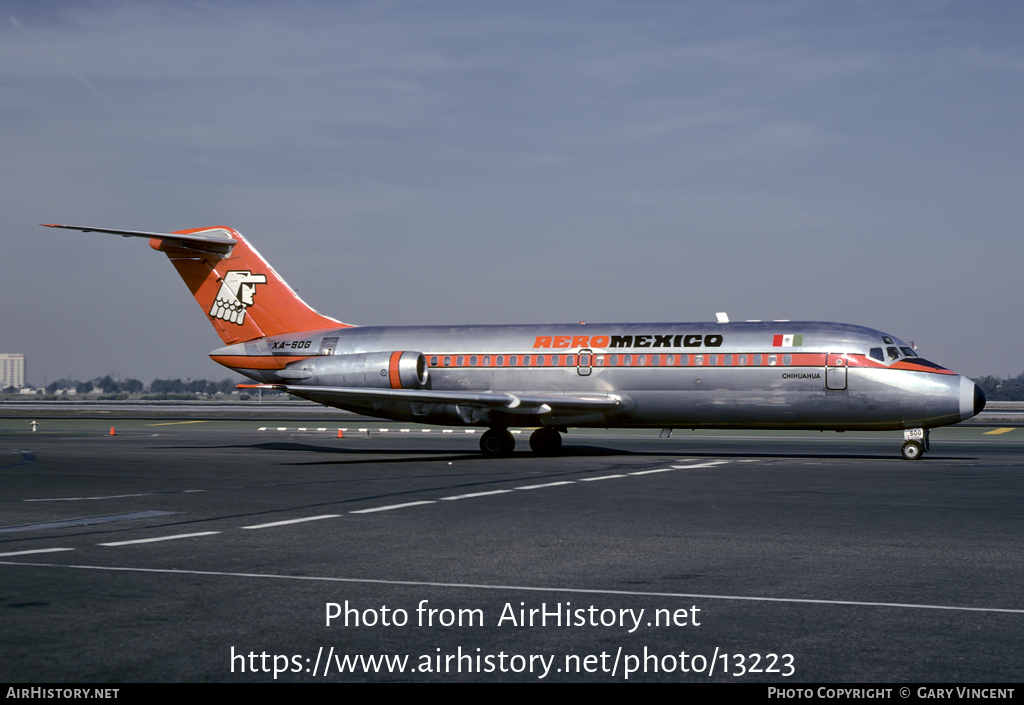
(10, 390)
(132, 386)
(998, 389)
(107, 385)
(83, 387)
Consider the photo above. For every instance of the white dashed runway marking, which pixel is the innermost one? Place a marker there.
(292, 521)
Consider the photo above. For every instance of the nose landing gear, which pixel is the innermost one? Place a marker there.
(915, 443)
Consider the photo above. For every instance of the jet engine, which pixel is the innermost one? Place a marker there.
(389, 370)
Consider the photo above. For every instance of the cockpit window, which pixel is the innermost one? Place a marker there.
(908, 352)
(893, 353)
(876, 353)
(887, 340)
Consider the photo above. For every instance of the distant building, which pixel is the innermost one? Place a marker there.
(12, 370)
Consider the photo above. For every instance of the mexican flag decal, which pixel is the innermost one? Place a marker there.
(787, 341)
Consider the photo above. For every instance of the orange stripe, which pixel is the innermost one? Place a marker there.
(396, 380)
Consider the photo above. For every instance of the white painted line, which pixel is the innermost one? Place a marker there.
(700, 465)
(321, 429)
(383, 430)
(364, 430)
(550, 484)
(651, 472)
(282, 429)
(160, 538)
(524, 588)
(263, 428)
(404, 430)
(426, 430)
(80, 499)
(447, 430)
(392, 506)
(603, 477)
(515, 431)
(471, 430)
(37, 550)
(477, 494)
(292, 521)
(300, 429)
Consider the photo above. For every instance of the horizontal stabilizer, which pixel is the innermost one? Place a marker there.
(216, 241)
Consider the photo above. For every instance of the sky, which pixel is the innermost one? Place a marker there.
(514, 162)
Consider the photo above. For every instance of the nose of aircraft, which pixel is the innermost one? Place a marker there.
(972, 399)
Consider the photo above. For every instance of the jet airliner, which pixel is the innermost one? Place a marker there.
(750, 375)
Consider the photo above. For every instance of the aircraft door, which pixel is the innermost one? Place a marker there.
(584, 363)
(835, 371)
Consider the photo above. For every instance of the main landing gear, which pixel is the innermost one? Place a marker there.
(915, 443)
(499, 443)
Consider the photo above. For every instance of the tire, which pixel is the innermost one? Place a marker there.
(497, 443)
(546, 441)
(912, 450)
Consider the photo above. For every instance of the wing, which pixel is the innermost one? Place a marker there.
(499, 401)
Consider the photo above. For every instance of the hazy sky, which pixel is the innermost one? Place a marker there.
(515, 162)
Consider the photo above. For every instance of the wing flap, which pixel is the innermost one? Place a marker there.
(504, 401)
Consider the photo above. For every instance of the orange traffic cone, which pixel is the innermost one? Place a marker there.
(340, 434)
(112, 431)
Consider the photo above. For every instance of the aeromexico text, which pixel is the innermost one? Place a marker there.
(628, 341)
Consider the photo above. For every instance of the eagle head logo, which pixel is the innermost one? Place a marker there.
(237, 291)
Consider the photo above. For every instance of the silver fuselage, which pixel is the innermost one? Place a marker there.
(800, 375)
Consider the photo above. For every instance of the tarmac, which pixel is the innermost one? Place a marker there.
(219, 550)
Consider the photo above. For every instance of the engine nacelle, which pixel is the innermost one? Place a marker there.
(390, 370)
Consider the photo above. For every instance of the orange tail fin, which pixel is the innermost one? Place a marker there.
(242, 295)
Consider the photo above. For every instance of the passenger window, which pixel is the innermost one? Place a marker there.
(487, 361)
(447, 360)
(787, 359)
(433, 360)
(614, 360)
(743, 360)
(500, 361)
(540, 361)
(512, 360)
(876, 354)
(713, 359)
(627, 360)
(655, 360)
(599, 360)
(670, 360)
(757, 359)
(728, 359)
(698, 360)
(641, 360)
(472, 361)
(684, 360)
(554, 360)
(772, 359)
(526, 360)
(893, 353)
(569, 360)
(460, 361)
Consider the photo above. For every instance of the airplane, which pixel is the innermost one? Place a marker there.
(724, 375)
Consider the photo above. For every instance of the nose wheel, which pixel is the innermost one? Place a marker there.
(915, 443)
(912, 450)
(497, 443)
